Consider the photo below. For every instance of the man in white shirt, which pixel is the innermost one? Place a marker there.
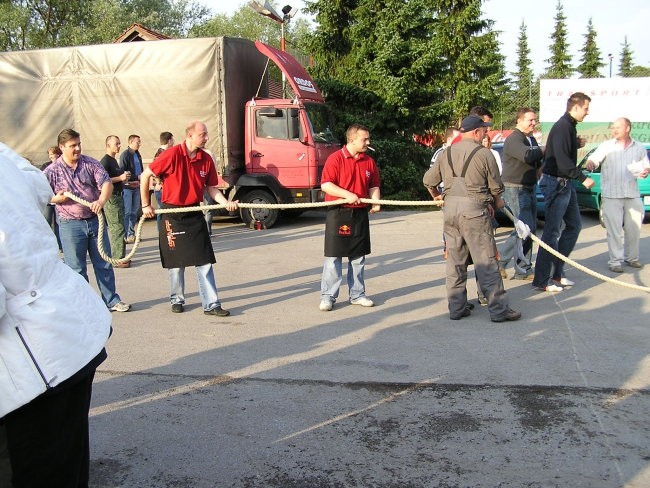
(623, 160)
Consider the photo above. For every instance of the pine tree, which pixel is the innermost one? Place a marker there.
(591, 59)
(559, 64)
(625, 68)
(523, 77)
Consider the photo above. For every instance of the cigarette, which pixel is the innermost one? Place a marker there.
(371, 148)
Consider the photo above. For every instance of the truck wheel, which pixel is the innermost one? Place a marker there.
(268, 216)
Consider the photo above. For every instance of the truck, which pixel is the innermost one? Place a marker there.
(267, 121)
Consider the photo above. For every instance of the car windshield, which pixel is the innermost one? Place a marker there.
(320, 121)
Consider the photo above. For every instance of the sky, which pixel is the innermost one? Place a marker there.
(612, 20)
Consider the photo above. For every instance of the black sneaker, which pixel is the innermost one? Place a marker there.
(218, 311)
(510, 316)
(177, 308)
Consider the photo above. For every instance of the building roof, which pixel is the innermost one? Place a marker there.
(138, 32)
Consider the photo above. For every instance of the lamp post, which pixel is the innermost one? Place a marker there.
(611, 58)
(266, 9)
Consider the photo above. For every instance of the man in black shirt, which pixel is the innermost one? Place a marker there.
(560, 199)
(114, 207)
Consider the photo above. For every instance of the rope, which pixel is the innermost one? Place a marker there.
(412, 203)
(577, 265)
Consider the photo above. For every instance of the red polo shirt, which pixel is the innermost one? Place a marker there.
(357, 174)
(184, 179)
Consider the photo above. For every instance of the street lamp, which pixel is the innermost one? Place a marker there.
(266, 9)
(611, 58)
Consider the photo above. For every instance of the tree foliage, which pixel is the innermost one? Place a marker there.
(559, 64)
(35, 24)
(591, 58)
(625, 67)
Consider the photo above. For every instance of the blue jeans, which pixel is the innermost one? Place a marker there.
(207, 286)
(523, 204)
(561, 204)
(80, 237)
(333, 277)
(131, 206)
(157, 194)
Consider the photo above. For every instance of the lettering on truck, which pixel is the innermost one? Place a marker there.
(305, 85)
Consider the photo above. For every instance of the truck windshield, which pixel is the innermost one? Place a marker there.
(320, 123)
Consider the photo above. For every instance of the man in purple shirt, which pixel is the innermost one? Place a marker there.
(78, 225)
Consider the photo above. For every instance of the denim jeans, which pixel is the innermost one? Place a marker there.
(207, 286)
(561, 204)
(333, 277)
(79, 238)
(157, 194)
(209, 213)
(131, 207)
(523, 204)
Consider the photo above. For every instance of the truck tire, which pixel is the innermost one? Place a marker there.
(267, 216)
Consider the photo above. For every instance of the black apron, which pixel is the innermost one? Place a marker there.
(347, 232)
(184, 240)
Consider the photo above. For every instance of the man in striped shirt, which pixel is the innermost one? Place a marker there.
(623, 160)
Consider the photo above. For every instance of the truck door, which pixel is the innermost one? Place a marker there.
(277, 148)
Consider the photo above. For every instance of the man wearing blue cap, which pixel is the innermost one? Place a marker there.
(473, 188)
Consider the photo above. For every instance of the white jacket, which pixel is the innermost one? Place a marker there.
(52, 323)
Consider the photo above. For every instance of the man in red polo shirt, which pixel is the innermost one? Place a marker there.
(187, 171)
(349, 174)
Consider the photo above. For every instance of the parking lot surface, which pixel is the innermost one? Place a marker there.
(283, 395)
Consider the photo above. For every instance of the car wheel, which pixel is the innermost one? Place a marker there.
(267, 216)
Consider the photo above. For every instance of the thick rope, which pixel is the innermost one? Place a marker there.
(577, 265)
(412, 203)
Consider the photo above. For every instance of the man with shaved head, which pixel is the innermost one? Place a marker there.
(622, 161)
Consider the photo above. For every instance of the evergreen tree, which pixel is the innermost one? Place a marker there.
(559, 64)
(523, 77)
(625, 68)
(591, 59)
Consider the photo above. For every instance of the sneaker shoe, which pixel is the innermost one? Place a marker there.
(177, 308)
(634, 264)
(465, 313)
(616, 268)
(563, 282)
(120, 307)
(218, 311)
(363, 301)
(130, 240)
(125, 264)
(325, 305)
(550, 288)
(482, 301)
(525, 277)
(510, 316)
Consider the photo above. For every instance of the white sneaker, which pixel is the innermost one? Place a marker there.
(325, 305)
(563, 282)
(120, 307)
(363, 301)
(550, 288)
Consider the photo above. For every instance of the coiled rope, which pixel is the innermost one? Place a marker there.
(286, 206)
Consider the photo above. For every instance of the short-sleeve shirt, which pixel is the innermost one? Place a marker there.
(84, 181)
(616, 180)
(185, 179)
(357, 174)
(113, 169)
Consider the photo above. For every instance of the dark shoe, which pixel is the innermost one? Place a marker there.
(526, 277)
(177, 308)
(466, 313)
(218, 311)
(634, 264)
(125, 264)
(616, 268)
(510, 316)
(469, 305)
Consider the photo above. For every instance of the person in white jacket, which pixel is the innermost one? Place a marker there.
(53, 328)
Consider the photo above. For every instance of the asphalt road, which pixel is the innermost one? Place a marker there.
(283, 395)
